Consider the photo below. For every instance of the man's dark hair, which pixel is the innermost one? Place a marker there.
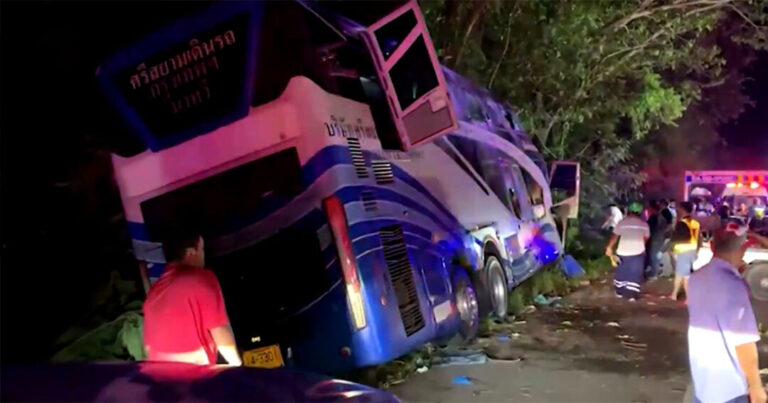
(175, 246)
(687, 207)
(655, 205)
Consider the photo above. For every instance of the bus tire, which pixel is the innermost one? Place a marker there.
(465, 298)
(498, 296)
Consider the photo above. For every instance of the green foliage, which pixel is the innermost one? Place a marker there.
(592, 79)
(551, 281)
(120, 339)
(111, 331)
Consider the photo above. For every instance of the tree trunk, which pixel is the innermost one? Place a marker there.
(477, 13)
(507, 40)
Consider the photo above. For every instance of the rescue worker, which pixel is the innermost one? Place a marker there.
(185, 319)
(756, 211)
(658, 225)
(631, 233)
(686, 241)
(614, 216)
(722, 331)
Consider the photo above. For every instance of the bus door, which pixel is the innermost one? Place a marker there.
(565, 185)
(411, 76)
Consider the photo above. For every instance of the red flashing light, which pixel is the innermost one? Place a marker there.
(337, 219)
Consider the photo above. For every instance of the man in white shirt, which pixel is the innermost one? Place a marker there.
(614, 216)
(722, 331)
(631, 233)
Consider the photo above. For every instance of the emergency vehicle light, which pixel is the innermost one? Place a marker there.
(730, 185)
(337, 220)
(754, 185)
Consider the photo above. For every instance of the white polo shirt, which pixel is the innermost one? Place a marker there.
(632, 232)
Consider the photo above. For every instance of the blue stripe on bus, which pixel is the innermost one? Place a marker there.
(352, 194)
(366, 227)
(399, 173)
(138, 231)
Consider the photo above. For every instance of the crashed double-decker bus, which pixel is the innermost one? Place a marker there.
(357, 198)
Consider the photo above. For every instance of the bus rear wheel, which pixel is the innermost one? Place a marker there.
(465, 299)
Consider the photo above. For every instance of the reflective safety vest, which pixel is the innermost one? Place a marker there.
(693, 242)
(759, 212)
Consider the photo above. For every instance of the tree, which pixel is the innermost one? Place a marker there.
(592, 78)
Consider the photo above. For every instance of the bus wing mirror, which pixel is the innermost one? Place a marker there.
(411, 76)
(565, 185)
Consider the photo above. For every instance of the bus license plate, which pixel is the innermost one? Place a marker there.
(264, 357)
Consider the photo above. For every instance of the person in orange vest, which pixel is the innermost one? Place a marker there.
(686, 241)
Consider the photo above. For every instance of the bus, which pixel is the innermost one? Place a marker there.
(357, 198)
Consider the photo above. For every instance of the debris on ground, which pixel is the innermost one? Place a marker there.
(542, 300)
(584, 283)
(570, 267)
(461, 380)
(634, 346)
(529, 309)
(503, 338)
(422, 370)
(624, 337)
(764, 371)
(613, 324)
(449, 357)
(504, 354)
(520, 322)
(566, 323)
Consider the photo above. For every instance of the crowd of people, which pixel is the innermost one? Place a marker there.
(646, 233)
(722, 328)
(643, 236)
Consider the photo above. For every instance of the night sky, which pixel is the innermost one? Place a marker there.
(747, 136)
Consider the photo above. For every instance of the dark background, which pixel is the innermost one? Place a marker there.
(63, 233)
(747, 136)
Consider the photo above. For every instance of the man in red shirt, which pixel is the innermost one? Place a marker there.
(185, 319)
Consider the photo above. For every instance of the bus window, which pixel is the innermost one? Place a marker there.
(564, 182)
(493, 166)
(226, 201)
(390, 36)
(413, 75)
(535, 193)
(515, 202)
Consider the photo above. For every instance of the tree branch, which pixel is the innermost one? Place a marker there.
(507, 40)
(747, 19)
(476, 13)
(643, 11)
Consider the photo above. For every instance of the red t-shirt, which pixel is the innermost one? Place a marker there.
(181, 307)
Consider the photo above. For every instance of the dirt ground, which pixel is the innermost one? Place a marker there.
(593, 347)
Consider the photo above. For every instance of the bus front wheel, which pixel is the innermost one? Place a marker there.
(465, 299)
(497, 287)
